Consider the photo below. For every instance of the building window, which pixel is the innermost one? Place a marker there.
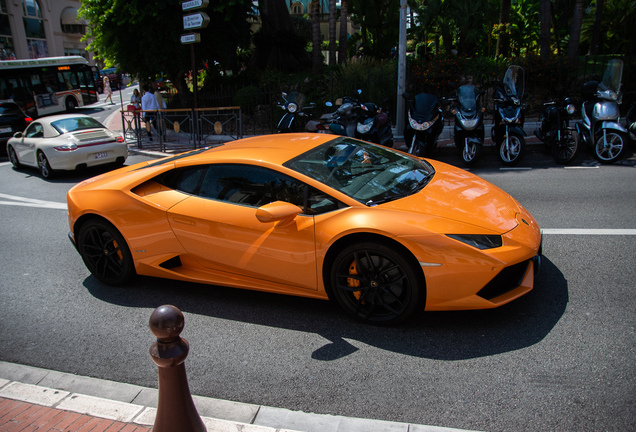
(6, 39)
(70, 23)
(34, 28)
(297, 8)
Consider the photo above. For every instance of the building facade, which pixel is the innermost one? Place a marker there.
(41, 28)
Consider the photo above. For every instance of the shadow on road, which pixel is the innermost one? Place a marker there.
(433, 335)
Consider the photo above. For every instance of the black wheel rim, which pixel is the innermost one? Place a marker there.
(372, 286)
(565, 149)
(102, 253)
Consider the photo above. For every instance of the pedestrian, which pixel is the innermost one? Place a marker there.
(162, 105)
(135, 99)
(148, 104)
(108, 91)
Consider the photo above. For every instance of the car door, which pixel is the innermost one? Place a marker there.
(25, 147)
(219, 227)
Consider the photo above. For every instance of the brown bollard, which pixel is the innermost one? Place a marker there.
(175, 411)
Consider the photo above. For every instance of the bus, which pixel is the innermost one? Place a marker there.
(48, 85)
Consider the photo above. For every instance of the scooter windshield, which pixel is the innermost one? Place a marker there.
(514, 81)
(426, 105)
(467, 98)
(613, 76)
(297, 98)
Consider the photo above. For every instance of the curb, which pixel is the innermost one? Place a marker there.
(135, 404)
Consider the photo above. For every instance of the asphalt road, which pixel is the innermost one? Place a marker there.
(561, 358)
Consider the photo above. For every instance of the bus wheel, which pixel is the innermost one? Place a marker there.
(71, 104)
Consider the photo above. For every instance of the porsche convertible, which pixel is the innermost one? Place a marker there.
(382, 233)
(66, 142)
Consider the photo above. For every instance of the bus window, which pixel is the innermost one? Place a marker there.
(36, 84)
(69, 79)
(50, 81)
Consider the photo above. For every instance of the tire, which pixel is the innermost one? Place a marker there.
(13, 157)
(71, 104)
(516, 149)
(375, 284)
(105, 252)
(470, 157)
(565, 152)
(610, 151)
(44, 166)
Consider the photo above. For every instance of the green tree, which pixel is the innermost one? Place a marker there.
(143, 37)
(379, 22)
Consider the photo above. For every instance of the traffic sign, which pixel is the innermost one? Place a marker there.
(190, 38)
(194, 4)
(198, 20)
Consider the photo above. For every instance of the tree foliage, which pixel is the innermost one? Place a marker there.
(144, 36)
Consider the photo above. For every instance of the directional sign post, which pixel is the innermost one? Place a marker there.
(197, 20)
(190, 38)
(194, 4)
(192, 21)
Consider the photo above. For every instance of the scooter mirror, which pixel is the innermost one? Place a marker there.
(284, 94)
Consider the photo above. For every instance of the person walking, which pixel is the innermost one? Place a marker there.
(148, 104)
(108, 91)
(162, 105)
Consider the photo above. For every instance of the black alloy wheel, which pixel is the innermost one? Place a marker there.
(105, 252)
(375, 284)
(71, 104)
(511, 151)
(565, 152)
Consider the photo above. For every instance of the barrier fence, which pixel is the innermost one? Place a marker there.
(177, 130)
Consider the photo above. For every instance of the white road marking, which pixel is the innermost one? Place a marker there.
(29, 202)
(584, 231)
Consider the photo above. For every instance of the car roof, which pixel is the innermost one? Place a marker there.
(274, 149)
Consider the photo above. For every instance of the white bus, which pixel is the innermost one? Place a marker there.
(48, 85)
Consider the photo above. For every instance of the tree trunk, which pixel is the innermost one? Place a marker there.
(503, 42)
(342, 48)
(575, 29)
(544, 37)
(332, 32)
(596, 30)
(316, 58)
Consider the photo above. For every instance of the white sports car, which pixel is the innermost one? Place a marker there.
(66, 142)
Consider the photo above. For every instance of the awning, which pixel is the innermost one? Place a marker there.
(69, 17)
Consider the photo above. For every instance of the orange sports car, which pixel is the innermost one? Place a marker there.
(382, 233)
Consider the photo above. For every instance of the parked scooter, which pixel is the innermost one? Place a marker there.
(600, 127)
(293, 103)
(631, 122)
(424, 123)
(374, 125)
(344, 120)
(469, 123)
(507, 131)
(555, 130)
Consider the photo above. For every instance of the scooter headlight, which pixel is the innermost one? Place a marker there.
(570, 109)
(469, 123)
(365, 127)
(421, 126)
(292, 107)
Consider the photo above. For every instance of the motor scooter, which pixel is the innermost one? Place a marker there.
(630, 118)
(555, 130)
(293, 103)
(507, 131)
(344, 120)
(599, 126)
(374, 125)
(424, 123)
(469, 122)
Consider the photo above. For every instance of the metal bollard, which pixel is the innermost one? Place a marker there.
(175, 411)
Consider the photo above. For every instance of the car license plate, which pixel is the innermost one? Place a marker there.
(6, 129)
(101, 155)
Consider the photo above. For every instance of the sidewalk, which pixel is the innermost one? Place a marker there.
(34, 399)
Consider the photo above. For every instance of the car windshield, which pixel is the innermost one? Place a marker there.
(73, 124)
(368, 173)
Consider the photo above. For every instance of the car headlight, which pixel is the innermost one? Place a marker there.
(480, 241)
(292, 107)
(365, 127)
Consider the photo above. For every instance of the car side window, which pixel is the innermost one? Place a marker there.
(35, 130)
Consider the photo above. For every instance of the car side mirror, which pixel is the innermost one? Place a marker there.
(17, 135)
(277, 211)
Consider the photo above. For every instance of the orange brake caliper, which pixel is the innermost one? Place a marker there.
(354, 283)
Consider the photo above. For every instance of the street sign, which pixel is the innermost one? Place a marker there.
(190, 38)
(198, 20)
(194, 4)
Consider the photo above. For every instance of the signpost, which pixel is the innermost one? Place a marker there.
(193, 21)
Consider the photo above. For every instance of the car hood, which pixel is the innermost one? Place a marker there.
(458, 195)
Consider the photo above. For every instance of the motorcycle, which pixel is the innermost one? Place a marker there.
(374, 125)
(344, 120)
(600, 127)
(424, 123)
(469, 123)
(555, 130)
(293, 103)
(507, 131)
